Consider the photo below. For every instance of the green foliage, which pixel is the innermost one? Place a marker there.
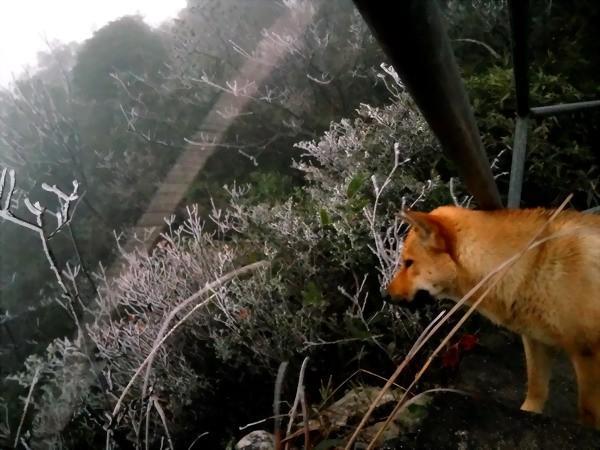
(270, 186)
(560, 156)
(312, 295)
(355, 185)
(562, 152)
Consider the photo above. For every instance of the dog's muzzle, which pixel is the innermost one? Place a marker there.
(421, 298)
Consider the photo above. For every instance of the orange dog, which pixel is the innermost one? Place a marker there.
(550, 295)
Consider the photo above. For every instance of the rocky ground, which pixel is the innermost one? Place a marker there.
(492, 375)
(495, 369)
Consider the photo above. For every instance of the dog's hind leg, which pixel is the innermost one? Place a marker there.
(539, 365)
(587, 369)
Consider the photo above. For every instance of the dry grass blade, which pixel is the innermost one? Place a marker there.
(163, 419)
(425, 336)
(416, 397)
(208, 288)
(258, 422)
(350, 377)
(417, 345)
(299, 393)
(277, 403)
(155, 349)
(147, 428)
(305, 421)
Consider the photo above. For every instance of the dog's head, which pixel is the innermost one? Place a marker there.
(427, 260)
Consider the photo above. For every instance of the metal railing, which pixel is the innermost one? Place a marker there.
(418, 46)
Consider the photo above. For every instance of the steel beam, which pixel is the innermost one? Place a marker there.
(413, 36)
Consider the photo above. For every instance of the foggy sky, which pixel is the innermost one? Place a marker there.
(26, 25)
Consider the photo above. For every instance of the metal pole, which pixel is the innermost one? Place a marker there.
(517, 167)
(564, 107)
(419, 49)
(519, 18)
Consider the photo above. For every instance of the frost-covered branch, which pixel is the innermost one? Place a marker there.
(63, 216)
(387, 246)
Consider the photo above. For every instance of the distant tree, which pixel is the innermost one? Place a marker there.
(124, 45)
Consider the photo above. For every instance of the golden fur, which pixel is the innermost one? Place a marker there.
(550, 295)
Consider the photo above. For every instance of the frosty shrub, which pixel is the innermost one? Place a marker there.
(62, 379)
(328, 247)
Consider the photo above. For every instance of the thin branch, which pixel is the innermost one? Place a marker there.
(82, 263)
(493, 52)
(27, 402)
(197, 439)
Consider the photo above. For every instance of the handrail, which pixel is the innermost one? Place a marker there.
(415, 40)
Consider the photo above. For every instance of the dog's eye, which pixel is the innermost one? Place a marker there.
(408, 263)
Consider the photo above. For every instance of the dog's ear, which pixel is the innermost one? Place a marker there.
(428, 229)
(419, 221)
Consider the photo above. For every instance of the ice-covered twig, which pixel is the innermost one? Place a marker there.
(386, 247)
(64, 215)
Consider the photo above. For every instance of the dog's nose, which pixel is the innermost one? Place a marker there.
(422, 296)
(415, 303)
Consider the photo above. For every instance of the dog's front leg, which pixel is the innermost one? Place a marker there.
(539, 363)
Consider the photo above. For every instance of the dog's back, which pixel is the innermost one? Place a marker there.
(551, 291)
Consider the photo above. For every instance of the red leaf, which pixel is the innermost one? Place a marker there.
(451, 357)
(468, 342)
